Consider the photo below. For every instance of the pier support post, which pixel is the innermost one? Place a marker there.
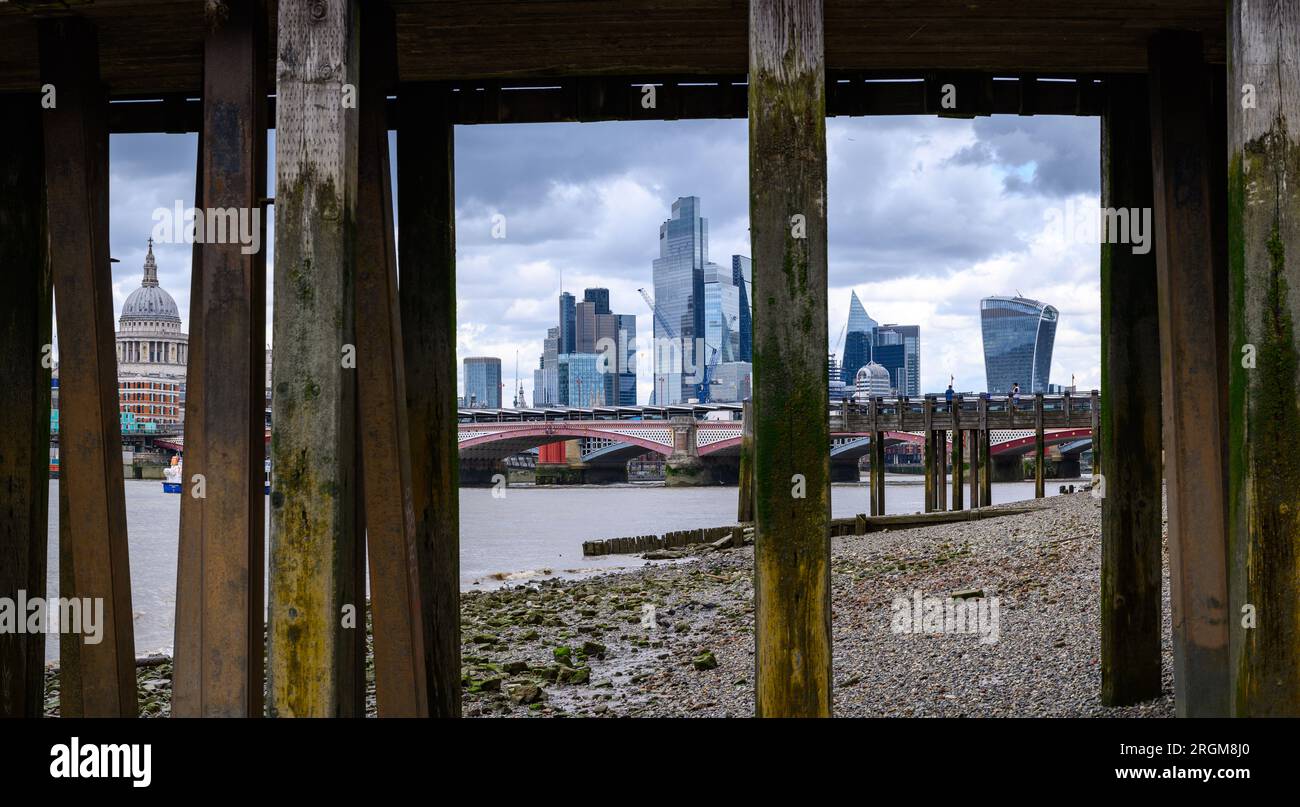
(973, 437)
(1129, 428)
(97, 680)
(928, 457)
(941, 470)
(957, 459)
(985, 437)
(1039, 472)
(1264, 238)
(313, 498)
(26, 357)
(1190, 347)
(787, 191)
(398, 566)
(426, 190)
(878, 470)
(220, 639)
(745, 503)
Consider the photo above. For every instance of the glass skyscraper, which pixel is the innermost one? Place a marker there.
(483, 382)
(742, 276)
(897, 348)
(1018, 338)
(679, 301)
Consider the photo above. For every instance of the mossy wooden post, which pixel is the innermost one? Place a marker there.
(878, 463)
(1264, 260)
(313, 449)
(745, 502)
(984, 439)
(97, 680)
(26, 357)
(1039, 474)
(1179, 91)
(957, 460)
(220, 644)
(787, 210)
(973, 438)
(1127, 438)
(426, 191)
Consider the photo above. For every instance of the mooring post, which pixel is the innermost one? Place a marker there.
(313, 498)
(1039, 452)
(1189, 344)
(397, 570)
(426, 191)
(1264, 239)
(745, 503)
(1129, 430)
(957, 459)
(928, 458)
(26, 356)
(220, 639)
(98, 680)
(787, 191)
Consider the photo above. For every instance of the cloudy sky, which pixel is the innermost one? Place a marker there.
(926, 217)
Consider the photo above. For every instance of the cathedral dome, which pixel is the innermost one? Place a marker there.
(150, 302)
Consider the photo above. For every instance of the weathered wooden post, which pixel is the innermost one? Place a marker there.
(985, 438)
(97, 679)
(941, 484)
(1039, 452)
(928, 458)
(957, 460)
(313, 541)
(397, 568)
(26, 357)
(873, 409)
(1189, 345)
(427, 265)
(745, 503)
(1129, 429)
(974, 439)
(220, 640)
(878, 461)
(1264, 239)
(787, 187)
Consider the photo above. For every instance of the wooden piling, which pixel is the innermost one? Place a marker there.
(787, 169)
(313, 501)
(958, 463)
(220, 637)
(1129, 428)
(1193, 441)
(397, 569)
(1039, 475)
(96, 679)
(973, 439)
(1264, 239)
(26, 358)
(745, 494)
(427, 266)
(928, 458)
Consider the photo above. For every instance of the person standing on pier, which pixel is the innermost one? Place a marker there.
(1015, 396)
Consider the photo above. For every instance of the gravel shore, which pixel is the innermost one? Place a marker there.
(676, 638)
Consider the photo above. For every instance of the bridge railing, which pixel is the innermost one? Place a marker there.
(933, 413)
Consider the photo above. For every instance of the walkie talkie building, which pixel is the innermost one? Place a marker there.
(1018, 338)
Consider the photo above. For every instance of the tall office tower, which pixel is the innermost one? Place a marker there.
(1018, 338)
(580, 381)
(679, 301)
(626, 326)
(566, 322)
(742, 275)
(858, 337)
(545, 378)
(483, 382)
(721, 316)
(897, 348)
(598, 296)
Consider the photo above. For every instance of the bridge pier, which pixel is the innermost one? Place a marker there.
(684, 468)
(1006, 469)
(845, 472)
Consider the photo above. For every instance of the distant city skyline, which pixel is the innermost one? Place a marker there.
(926, 217)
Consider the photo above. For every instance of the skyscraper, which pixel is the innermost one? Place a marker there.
(721, 316)
(859, 322)
(566, 322)
(742, 276)
(897, 348)
(1018, 338)
(679, 301)
(483, 382)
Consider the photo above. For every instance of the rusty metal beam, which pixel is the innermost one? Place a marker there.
(1189, 346)
(220, 643)
(25, 362)
(100, 677)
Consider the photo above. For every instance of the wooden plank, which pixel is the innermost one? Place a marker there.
(1179, 101)
(1264, 238)
(426, 190)
(100, 677)
(396, 587)
(221, 647)
(26, 358)
(787, 189)
(312, 577)
(745, 504)
(1129, 428)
